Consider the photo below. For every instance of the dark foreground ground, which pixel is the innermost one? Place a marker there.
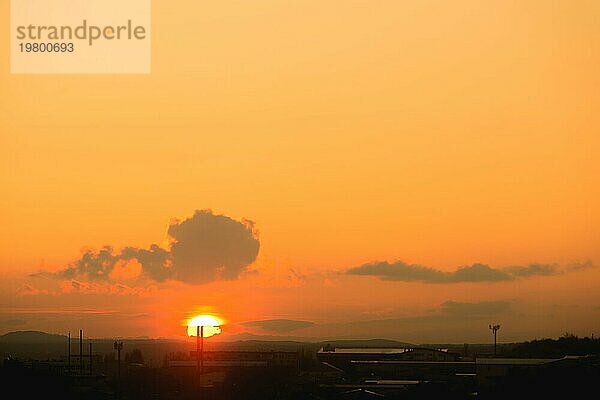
(26, 381)
(25, 375)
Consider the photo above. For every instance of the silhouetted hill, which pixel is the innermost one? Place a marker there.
(31, 337)
(36, 345)
(271, 341)
(368, 343)
(41, 346)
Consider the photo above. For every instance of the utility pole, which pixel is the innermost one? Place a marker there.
(90, 357)
(81, 351)
(199, 349)
(69, 356)
(494, 328)
(118, 346)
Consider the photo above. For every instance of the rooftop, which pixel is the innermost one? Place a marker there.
(373, 350)
(355, 350)
(514, 361)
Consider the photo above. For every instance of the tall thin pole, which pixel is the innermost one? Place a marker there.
(81, 350)
(199, 349)
(494, 328)
(118, 346)
(90, 357)
(495, 342)
(69, 356)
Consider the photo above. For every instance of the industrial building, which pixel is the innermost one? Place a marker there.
(213, 360)
(343, 357)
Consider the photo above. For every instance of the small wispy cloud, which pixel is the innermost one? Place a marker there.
(82, 287)
(581, 266)
(279, 325)
(57, 310)
(13, 322)
(29, 290)
(482, 309)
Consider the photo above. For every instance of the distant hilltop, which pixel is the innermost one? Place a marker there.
(368, 343)
(22, 337)
(31, 337)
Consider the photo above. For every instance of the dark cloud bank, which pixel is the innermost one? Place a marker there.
(204, 248)
(400, 271)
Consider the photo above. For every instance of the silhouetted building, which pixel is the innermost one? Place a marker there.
(395, 368)
(568, 374)
(214, 360)
(342, 357)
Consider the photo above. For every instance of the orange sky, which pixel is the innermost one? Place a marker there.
(439, 134)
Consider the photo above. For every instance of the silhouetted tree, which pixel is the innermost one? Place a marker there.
(567, 344)
(568, 336)
(134, 357)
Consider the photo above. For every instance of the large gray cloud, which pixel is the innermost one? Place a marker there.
(210, 247)
(204, 248)
(400, 271)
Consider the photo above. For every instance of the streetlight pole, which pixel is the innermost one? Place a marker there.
(494, 328)
(118, 346)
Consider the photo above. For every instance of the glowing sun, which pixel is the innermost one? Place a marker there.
(210, 323)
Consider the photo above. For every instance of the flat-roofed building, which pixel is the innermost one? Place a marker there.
(415, 363)
(344, 356)
(212, 360)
